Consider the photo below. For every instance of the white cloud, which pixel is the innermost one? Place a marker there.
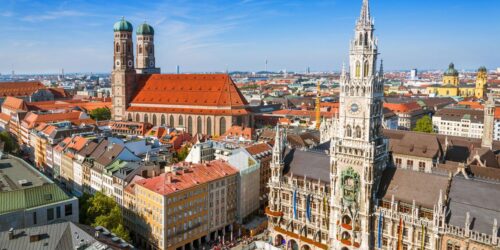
(52, 15)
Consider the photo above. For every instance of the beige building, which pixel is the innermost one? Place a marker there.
(183, 209)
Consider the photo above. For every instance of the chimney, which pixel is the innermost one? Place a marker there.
(11, 233)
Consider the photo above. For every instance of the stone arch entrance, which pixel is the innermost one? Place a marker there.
(292, 245)
(279, 240)
(305, 247)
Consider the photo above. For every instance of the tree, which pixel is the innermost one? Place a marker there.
(100, 210)
(10, 145)
(182, 153)
(101, 114)
(424, 124)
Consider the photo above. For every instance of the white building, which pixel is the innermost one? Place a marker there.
(459, 122)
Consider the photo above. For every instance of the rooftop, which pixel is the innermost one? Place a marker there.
(23, 187)
(188, 177)
(474, 196)
(307, 163)
(408, 186)
(15, 175)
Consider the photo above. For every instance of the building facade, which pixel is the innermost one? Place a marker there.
(198, 103)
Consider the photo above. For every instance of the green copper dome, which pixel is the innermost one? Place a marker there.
(145, 29)
(451, 71)
(123, 25)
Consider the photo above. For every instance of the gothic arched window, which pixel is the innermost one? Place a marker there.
(140, 49)
(209, 126)
(199, 124)
(171, 122)
(154, 119)
(190, 125)
(358, 132)
(358, 69)
(348, 131)
(117, 47)
(366, 39)
(366, 69)
(162, 122)
(222, 126)
(181, 121)
(146, 118)
(360, 39)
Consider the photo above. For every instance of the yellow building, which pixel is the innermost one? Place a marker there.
(451, 84)
(175, 210)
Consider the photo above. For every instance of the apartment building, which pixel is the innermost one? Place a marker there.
(459, 122)
(185, 208)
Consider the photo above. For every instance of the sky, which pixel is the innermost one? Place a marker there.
(44, 36)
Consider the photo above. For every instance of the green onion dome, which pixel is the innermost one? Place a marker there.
(123, 25)
(145, 29)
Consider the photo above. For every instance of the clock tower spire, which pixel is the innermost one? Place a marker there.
(358, 151)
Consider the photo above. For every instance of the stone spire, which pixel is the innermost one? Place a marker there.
(364, 17)
(277, 163)
(381, 70)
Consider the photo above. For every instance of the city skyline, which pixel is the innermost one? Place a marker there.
(219, 35)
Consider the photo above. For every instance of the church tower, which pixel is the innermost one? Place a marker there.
(123, 76)
(481, 80)
(358, 150)
(146, 50)
(489, 123)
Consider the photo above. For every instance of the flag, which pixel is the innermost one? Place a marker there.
(380, 232)
(423, 237)
(400, 234)
(295, 204)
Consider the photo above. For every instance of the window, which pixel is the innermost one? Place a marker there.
(34, 218)
(140, 49)
(154, 119)
(146, 118)
(181, 121)
(58, 212)
(162, 122)
(222, 126)
(348, 131)
(366, 69)
(421, 166)
(171, 122)
(358, 132)
(358, 69)
(199, 125)
(50, 214)
(190, 125)
(398, 162)
(68, 209)
(209, 126)
(409, 163)
(137, 118)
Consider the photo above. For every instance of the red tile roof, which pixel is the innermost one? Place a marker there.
(189, 89)
(189, 111)
(239, 131)
(33, 119)
(258, 148)
(19, 88)
(191, 176)
(402, 107)
(14, 103)
(4, 117)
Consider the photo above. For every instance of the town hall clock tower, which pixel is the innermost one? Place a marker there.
(358, 151)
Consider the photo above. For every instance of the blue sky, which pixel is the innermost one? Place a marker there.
(212, 35)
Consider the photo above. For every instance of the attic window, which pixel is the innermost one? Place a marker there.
(47, 197)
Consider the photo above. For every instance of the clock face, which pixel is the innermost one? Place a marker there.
(354, 108)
